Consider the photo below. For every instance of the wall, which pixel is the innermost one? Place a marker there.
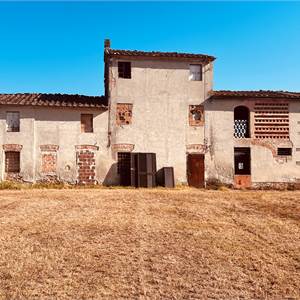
(161, 93)
(266, 166)
(58, 127)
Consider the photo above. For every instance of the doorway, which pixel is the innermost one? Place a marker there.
(242, 167)
(195, 170)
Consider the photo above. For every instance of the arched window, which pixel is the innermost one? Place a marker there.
(241, 122)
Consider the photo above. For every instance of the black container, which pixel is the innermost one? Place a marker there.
(165, 177)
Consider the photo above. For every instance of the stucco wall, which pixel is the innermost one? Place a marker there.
(56, 126)
(161, 93)
(265, 167)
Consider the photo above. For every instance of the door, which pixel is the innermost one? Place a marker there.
(242, 167)
(195, 170)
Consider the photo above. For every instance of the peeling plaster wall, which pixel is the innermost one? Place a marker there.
(55, 126)
(265, 167)
(161, 93)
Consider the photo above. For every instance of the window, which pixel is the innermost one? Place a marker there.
(12, 162)
(124, 114)
(13, 121)
(284, 151)
(196, 115)
(86, 123)
(195, 73)
(124, 69)
(241, 122)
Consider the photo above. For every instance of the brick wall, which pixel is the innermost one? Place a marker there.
(86, 164)
(49, 158)
(49, 163)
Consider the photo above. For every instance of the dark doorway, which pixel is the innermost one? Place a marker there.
(242, 161)
(124, 161)
(195, 170)
(137, 169)
(242, 167)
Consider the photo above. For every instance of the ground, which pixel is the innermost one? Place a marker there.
(141, 244)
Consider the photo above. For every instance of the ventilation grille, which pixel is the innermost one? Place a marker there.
(271, 120)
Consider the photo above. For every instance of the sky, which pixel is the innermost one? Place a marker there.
(57, 47)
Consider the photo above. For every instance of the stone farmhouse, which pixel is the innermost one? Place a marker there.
(154, 102)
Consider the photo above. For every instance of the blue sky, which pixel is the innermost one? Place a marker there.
(58, 47)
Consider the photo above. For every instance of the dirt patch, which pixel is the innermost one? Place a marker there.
(138, 244)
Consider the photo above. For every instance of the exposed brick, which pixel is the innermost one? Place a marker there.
(86, 147)
(12, 147)
(124, 114)
(86, 164)
(196, 115)
(123, 147)
(49, 148)
(49, 163)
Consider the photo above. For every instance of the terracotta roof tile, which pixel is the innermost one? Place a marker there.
(155, 54)
(255, 94)
(55, 100)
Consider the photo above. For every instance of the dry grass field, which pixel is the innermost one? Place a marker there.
(142, 244)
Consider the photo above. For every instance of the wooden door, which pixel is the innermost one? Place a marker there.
(195, 170)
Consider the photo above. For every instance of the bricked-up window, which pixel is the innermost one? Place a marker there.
(124, 69)
(13, 121)
(12, 162)
(124, 114)
(49, 163)
(196, 115)
(271, 120)
(86, 123)
(195, 73)
(284, 151)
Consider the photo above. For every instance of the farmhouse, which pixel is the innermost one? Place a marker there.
(160, 103)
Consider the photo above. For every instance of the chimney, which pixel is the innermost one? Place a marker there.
(107, 43)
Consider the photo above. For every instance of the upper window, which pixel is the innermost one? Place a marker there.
(284, 151)
(196, 115)
(195, 72)
(124, 69)
(13, 121)
(86, 123)
(241, 122)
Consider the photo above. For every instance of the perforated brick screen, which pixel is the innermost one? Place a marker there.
(271, 120)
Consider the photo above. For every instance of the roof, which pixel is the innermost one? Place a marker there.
(53, 100)
(255, 94)
(158, 55)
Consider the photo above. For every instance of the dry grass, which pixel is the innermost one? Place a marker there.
(92, 244)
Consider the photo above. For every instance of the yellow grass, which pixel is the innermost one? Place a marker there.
(138, 244)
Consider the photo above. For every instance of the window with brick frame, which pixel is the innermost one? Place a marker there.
(124, 114)
(196, 115)
(12, 162)
(12, 121)
(87, 123)
(124, 69)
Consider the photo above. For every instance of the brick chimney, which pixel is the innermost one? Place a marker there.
(107, 43)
